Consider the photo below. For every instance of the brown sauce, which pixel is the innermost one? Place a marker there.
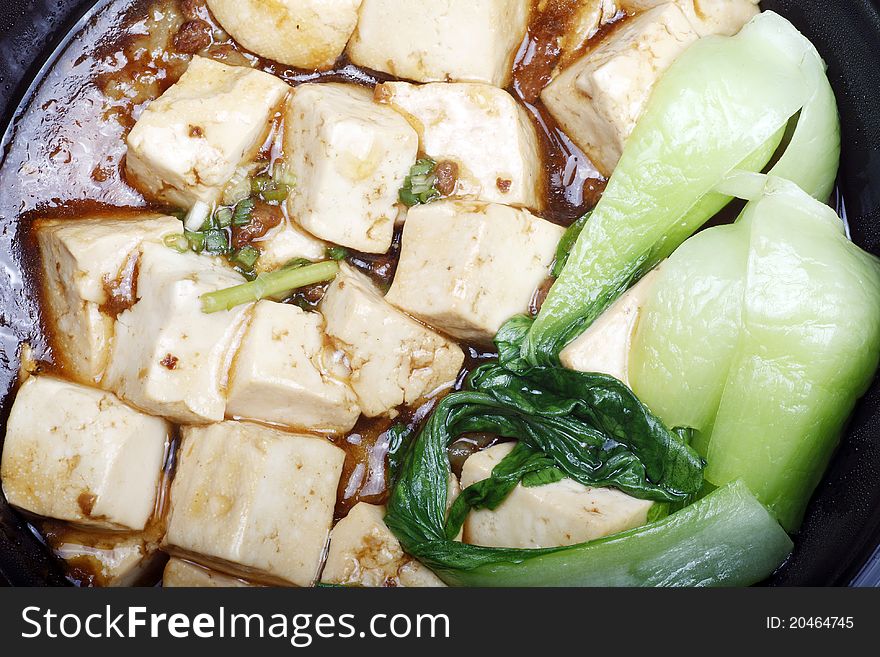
(66, 159)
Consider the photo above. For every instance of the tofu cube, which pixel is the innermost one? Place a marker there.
(599, 99)
(481, 129)
(605, 346)
(724, 17)
(309, 34)
(107, 559)
(559, 514)
(169, 358)
(188, 143)
(394, 359)
(180, 573)
(285, 243)
(585, 20)
(84, 262)
(456, 40)
(466, 267)
(286, 374)
(364, 552)
(351, 157)
(79, 454)
(254, 501)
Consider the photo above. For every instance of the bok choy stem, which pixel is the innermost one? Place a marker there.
(723, 105)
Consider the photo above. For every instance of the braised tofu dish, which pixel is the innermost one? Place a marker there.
(385, 293)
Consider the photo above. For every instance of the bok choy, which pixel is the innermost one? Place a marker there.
(724, 104)
(762, 336)
(727, 109)
(590, 428)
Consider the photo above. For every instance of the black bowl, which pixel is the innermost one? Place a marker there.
(838, 544)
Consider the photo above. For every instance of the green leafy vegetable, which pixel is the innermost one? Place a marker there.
(269, 285)
(566, 244)
(725, 539)
(418, 187)
(762, 335)
(589, 427)
(399, 439)
(723, 105)
(524, 465)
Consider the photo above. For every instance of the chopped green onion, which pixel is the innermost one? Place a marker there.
(223, 217)
(407, 197)
(243, 212)
(418, 186)
(238, 188)
(282, 175)
(246, 256)
(275, 194)
(197, 215)
(247, 274)
(423, 167)
(196, 240)
(336, 252)
(177, 242)
(261, 184)
(297, 262)
(269, 285)
(216, 242)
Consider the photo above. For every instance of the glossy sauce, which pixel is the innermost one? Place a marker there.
(66, 154)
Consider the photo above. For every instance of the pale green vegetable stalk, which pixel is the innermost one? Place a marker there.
(762, 336)
(725, 539)
(269, 285)
(723, 105)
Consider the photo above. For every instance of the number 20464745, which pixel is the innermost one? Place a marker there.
(810, 623)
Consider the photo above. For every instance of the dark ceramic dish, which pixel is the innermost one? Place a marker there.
(838, 544)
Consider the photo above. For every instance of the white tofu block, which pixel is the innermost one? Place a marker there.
(604, 347)
(394, 359)
(79, 454)
(586, 19)
(480, 128)
(82, 259)
(364, 552)
(286, 373)
(169, 358)
(108, 560)
(285, 243)
(457, 40)
(599, 99)
(180, 573)
(254, 500)
(308, 34)
(466, 268)
(559, 514)
(189, 142)
(350, 156)
(724, 17)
